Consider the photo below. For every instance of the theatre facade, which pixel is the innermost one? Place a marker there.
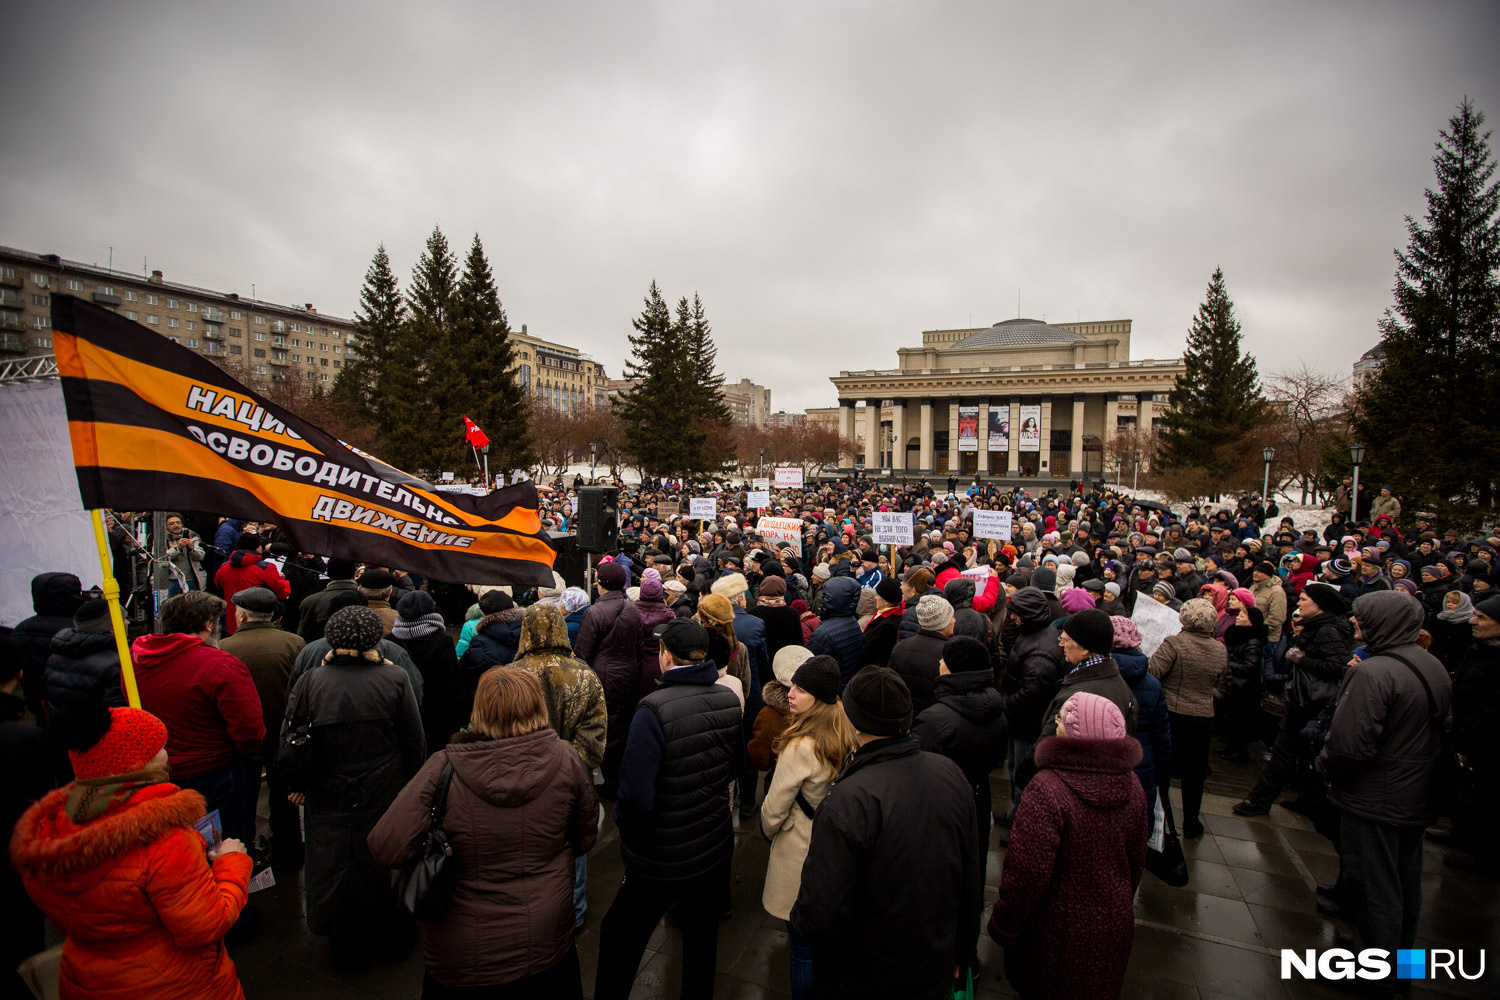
(1018, 399)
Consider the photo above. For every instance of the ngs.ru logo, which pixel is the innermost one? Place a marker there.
(1375, 963)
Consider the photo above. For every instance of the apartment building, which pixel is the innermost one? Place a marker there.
(560, 377)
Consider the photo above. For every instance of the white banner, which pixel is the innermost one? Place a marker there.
(784, 532)
(1154, 622)
(968, 428)
(758, 498)
(760, 483)
(980, 575)
(992, 524)
(1031, 429)
(703, 508)
(43, 526)
(893, 528)
(447, 477)
(788, 478)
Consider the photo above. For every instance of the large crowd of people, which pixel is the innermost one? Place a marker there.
(853, 699)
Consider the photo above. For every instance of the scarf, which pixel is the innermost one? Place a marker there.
(1463, 613)
(425, 625)
(91, 798)
(772, 602)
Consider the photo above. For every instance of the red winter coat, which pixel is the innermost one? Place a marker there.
(1066, 912)
(205, 696)
(244, 570)
(143, 910)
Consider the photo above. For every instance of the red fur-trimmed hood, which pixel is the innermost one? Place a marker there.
(1098, 771)
(46, 843)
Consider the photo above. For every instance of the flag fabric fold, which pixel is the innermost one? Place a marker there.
(154, 426)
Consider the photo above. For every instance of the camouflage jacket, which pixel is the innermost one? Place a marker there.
(575, 697)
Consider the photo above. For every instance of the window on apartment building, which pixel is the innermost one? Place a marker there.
(260, 335)
(261, 369)
(336, 362)
(153, 319)
(236, 314)
(131, 297)
(338, 349)
(260, 353)
(192, 307)
(322, 347)
(74, 285)
(151, 299)
(39, 300)
(259, 320)
(323, 362)
(8, 272)
(130, 314)
(234, 331)
(236, 349)
(171, 303)
(192, 324)
(171, 322)
(337, 334)
(323, 377)
(42, 341)
(39, 280)
(192, 341)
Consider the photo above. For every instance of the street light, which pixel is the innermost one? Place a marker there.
(593, 459)
(1265, 490)
(1135, 481)
(761, 468)
(1356, 456)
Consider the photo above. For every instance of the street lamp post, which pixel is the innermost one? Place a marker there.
(1356, 456)
(1135, 480)
(760, 469)
(1265, 490)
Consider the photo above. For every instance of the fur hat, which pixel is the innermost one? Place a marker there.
(1327, 598)
(731, 586)
(963, 653)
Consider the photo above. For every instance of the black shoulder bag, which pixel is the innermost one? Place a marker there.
(1169, 864)
(423, 884)
(1451, 780)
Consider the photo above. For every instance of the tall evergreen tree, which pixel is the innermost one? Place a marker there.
(1216, 402)
(711, 413)
(414, 431)
(1428, 416)
(377, 324)
(478, 378)
(653, 434)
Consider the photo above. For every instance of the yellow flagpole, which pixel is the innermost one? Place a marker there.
(117, 619)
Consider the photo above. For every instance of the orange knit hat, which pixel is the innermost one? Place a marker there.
(133, 738)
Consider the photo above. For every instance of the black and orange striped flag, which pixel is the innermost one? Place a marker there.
(156, 426)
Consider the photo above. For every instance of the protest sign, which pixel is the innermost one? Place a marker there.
(892, 528)
(758, 498)
(762, 483)
(992, 524)
(783, 532)
(788, 478)
(1154, 622)
(668, 508)
(703, 508)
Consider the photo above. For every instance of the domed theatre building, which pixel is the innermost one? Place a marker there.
(1022, 398)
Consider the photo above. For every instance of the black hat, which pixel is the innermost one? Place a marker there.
(683, 637)
(93, 612)
(494, 601)
(889, 591)
(963, 652)
(414, 605)
(1094, 585)
(248, 540)
(376, 579)
(341, 569)
(256, 600)
(1327, 598)
(1489, 606)
(1092, 630)
(819, 676)
(878, 703)
(1266, 566)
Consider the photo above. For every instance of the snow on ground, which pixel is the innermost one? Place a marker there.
(1314, 516)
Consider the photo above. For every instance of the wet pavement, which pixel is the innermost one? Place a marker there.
(1251, 893)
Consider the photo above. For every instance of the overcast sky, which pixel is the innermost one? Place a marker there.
(832, 178)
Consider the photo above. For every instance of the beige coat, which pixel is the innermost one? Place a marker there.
(1188, 663)
(797, 769)
(1270, 598)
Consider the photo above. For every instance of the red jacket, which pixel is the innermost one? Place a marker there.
(206, 698)
(984, 600)
(143, 910)
(244, 570)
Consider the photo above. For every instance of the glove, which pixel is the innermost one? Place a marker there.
(1295, 656)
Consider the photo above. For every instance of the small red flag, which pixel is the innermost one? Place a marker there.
(473, 435)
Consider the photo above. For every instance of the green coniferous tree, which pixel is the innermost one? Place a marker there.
(377, 324)
(653, 432)
(1428, 416)
(1216, 404)
(479, 379)
(710, 410)
(416, 431)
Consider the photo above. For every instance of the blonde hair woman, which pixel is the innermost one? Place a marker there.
(716, 615)
(810, 753)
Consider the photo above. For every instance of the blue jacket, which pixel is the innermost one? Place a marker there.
(575, 622)
(840, 635)
(871, 579)
(1151, 724)
(752, 632)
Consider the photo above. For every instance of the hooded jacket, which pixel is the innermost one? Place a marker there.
(54, 598)
(510, 913)
(916, 660)
(610, 641)
(83, 664)
(143, 909)
(575, 698)
(1189, 663)
(839, 635)
(246, 569)
(1066, 912)
(1153, 729)
(966, 724)
(891, 882)
(494, 644)
(773, 718)
(1383, 746)
(205, 697)
(966, 618)
(1033, 666)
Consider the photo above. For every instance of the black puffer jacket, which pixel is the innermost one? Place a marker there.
(966, 724)
(83, 665)
(839, 636)
(54, 598)
(967, 621)
(494, 644)
(891, 884)
(1244, 643)
(1327, 642)
(916, 660)
(1033, 669)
